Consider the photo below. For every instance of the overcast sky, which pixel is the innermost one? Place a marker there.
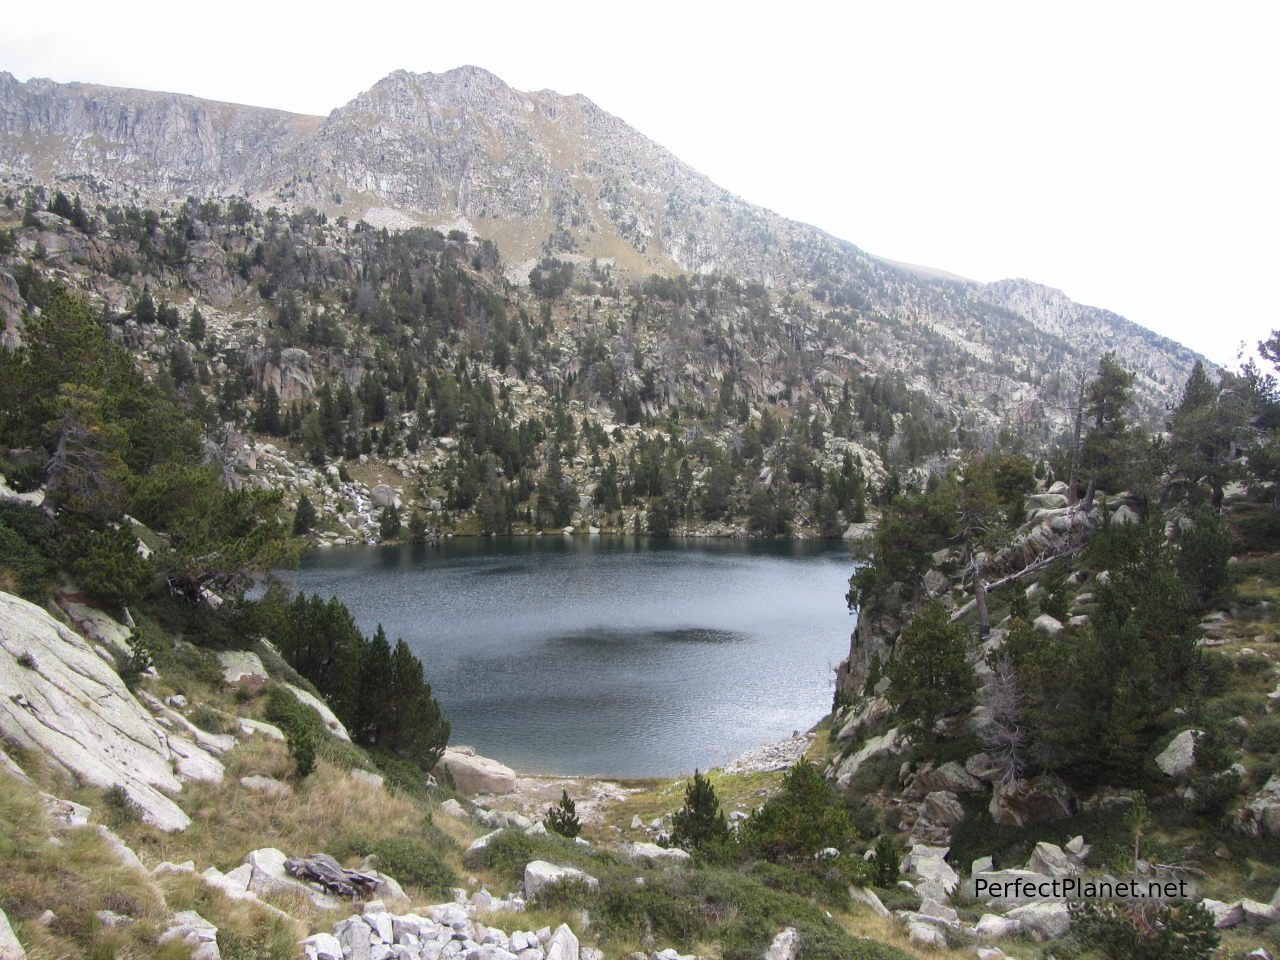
(1127, 153)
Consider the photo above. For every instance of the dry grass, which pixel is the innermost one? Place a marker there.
(229, 820)
(74, 874)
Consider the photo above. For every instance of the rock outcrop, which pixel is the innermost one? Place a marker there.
(59, 697)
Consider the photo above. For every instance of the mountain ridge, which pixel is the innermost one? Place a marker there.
(541, 174)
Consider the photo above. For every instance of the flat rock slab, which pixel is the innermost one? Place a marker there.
(58, 697)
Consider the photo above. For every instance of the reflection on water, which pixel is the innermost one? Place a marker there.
(608, 655)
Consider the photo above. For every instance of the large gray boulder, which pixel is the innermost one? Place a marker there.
(473, 774)
(655, 853)
(929, 863)
(950, 777)
(322, 946)
(943, 807)
(1043, 920)
(384, 496)
(784, 945)
(993, 927)
(1261, 817)
(1177, 759)
(327, 716)
(1049, 859)
(540, 873)
(563, 945)
(59, 698)
(1031, 801)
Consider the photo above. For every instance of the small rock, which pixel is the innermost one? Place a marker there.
(266, 785)
(453, 808)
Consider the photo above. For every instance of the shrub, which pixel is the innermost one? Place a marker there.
(120, 810)
(106, 564)
(410, 859)
(930, 672)
(1204, 551)
(302, 727)
(1264, 737)
(806, 817)
(1056, 599)
(302, 749)
(1146, 931)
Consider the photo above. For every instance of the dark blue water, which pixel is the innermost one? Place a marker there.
(608, 655)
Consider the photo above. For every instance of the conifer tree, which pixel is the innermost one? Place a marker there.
(700, 821)
(563, 817)
(304, 517)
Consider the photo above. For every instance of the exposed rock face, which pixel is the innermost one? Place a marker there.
(1044, 921)
(159, 142)
(784, 945)
(474, 774)
(892, 741)
(327, 716)
(1150, 355)
(59, 697)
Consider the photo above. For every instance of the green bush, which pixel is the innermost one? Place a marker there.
(302, 750)
(26, 550)
(303, 729)
(806, 817)
(107, 565)
(409, 859)
(1264, 736)
(119, 809)
(887, 862)
(1157, 932)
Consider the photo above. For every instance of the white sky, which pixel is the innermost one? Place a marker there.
(1127, 153)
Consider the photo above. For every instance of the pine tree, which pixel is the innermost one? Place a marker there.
(563, 817)
(304, 518)
(196, 326)
(389, 523)
(930, 673)
(700, 821)
(145, 311)
(887, 861)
